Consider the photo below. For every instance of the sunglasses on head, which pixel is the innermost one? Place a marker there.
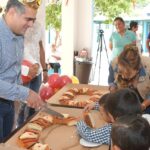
(37, 2)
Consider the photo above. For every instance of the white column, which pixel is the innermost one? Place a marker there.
(41, 18)
(76, 30)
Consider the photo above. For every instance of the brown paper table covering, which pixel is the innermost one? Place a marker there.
(4, 146)
(61, 137)
(54, 100)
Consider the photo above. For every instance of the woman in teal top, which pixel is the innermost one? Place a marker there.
(120, 37)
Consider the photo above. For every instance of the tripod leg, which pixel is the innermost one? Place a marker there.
(99, 66)
(94, 70)
(106, 49)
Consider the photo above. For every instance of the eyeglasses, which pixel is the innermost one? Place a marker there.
(31, 3)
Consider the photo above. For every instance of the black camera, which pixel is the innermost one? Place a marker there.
(101, 31)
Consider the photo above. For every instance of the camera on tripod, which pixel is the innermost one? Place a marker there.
(101, 31)
(101, 46)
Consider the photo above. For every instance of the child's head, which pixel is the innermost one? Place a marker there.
(130, 133)
(103, 113)
(120, 103)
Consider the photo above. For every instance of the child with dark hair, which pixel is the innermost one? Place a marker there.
(111, 106)
(130, 133)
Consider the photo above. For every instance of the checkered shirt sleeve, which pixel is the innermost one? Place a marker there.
(98, 135)
(96, 107)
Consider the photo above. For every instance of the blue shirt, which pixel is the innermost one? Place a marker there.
(118, 41)
(11, 54)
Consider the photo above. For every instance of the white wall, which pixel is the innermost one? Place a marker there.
(68, 26)
(84, 25)
(76, 30)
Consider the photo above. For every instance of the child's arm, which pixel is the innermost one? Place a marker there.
(96, 106)
(89, 107)
(99, 135)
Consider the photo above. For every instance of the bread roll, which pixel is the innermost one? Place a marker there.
(28, 135)
(48, 118)
(34, 126)
(40, 146)
(70, 121)
(42, 122)
(27, 139)
(89, 120)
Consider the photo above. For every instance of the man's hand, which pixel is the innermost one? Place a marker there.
(34, 100)
(33, 70)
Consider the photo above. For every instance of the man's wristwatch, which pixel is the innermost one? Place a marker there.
(45, 70)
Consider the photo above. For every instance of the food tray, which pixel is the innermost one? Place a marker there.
(54, 100)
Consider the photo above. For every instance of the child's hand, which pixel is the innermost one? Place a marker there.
(89, 107)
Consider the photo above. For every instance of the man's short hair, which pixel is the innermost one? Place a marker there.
(20, 5)
(15, 4)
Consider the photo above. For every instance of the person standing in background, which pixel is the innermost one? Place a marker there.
(18, 17)
(33, 52)
(54, 59)
(120, 37)
(134, 27)
(148, 43)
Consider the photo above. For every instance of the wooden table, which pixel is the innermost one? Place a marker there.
(61, 137)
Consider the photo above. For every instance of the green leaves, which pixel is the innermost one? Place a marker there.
(53, 16)
(108, 8)
(114, 8)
